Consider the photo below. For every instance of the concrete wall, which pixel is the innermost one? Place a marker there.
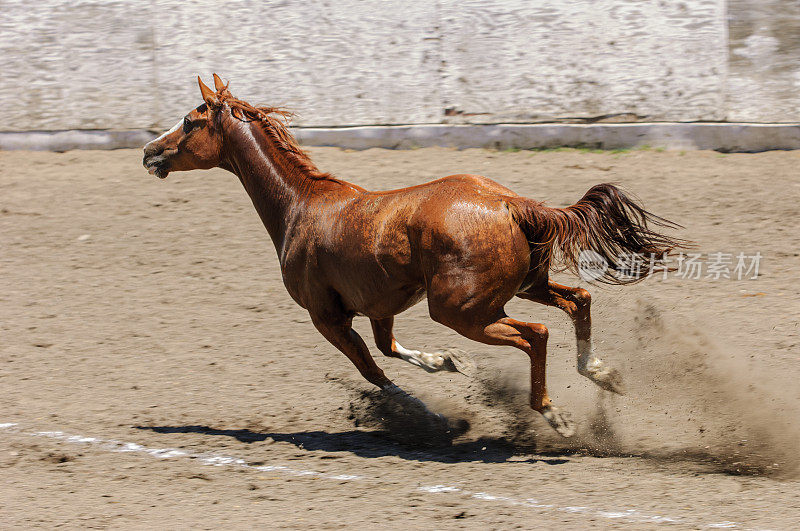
(131, 65)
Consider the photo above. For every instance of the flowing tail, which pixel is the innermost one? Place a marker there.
(614, 227)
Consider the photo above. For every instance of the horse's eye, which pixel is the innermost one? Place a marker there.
(187, 125)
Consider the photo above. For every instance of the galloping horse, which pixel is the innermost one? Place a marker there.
(466, 242)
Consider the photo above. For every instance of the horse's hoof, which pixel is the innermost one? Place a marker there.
(559, 420)
(609, 379)
(456, 360)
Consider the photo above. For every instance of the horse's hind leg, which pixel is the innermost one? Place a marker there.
(451, 360)
(576, 303)
(531, 338)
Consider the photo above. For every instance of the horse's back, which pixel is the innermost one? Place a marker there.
(462, 225)
(464, 182)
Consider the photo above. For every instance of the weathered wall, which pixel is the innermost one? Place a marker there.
(130, 65)
(764, 61)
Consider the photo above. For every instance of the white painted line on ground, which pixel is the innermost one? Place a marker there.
(112, 445)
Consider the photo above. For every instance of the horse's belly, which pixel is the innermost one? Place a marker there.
(389, 302)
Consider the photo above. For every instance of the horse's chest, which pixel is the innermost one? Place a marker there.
(369, 276)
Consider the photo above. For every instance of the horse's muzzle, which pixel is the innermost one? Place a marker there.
(155, 162)
(157, 167)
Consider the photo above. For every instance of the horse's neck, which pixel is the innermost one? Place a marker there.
(277, 188)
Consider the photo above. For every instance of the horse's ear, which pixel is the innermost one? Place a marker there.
(218, 84)
(209, 96)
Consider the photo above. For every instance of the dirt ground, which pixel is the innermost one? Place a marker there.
(153, 369)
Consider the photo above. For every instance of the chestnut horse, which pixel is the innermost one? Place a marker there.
(466, 242)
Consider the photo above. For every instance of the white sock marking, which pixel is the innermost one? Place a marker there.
(588, 363)
(420, 359)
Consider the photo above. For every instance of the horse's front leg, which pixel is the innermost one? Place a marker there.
(338, 330)
(451, 360)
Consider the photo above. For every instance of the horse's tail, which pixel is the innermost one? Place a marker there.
(606, 235)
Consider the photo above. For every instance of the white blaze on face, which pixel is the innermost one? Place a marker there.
(174, 128)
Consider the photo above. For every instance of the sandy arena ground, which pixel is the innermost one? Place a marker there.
(139, 315)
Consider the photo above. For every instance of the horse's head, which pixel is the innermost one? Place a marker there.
(193, 143)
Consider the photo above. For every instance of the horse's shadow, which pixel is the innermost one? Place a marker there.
(374, 444)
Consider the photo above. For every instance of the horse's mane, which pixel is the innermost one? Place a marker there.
(274, 122)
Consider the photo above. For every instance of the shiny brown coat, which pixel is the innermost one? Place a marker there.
(465, 242)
